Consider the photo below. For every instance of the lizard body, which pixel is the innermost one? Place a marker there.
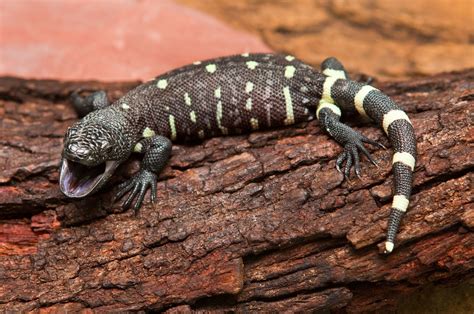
(229, 95)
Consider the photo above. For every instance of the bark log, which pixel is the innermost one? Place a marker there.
(256, 222)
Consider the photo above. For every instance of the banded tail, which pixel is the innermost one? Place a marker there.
(338, 90)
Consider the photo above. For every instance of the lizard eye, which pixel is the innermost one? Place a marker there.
(67, 136)
(70, 131)
(105, 146)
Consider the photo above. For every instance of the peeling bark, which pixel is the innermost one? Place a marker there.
(261, 222)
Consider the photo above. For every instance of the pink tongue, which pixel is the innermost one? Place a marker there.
(79, 178)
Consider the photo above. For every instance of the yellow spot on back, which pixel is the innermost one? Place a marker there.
(290, 58)
(138, 148)
(125, 106)
(217, 92)
(251, 64)
(219, 113)
(147, 132)
(187, 99)
(219, 117)
(245, 54)
(248, 104)
(290, 118)
(197, 62)
(248, 87)
(211, 68)
(254, 123)
(192, 115)
(162, 84)
(172, 127)
(289, 71)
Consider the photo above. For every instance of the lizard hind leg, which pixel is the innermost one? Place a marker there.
(329, 113)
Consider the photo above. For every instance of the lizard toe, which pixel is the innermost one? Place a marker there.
(137, 186)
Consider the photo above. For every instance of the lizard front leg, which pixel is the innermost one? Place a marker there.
(94, 101)
(157, 151)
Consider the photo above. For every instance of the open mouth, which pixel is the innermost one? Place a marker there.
(78, 180)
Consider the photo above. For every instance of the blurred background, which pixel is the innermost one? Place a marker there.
(116, 40)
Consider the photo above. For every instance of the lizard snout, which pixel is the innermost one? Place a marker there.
(78, 153)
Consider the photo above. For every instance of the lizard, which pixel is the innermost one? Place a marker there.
(225, 96)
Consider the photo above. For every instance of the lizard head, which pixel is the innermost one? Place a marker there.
(92, 151)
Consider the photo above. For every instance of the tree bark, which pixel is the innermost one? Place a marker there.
(245, 223)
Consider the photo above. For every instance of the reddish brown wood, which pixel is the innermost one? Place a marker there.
(249, 223)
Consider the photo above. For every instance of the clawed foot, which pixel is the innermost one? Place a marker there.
(138, 185)
(350, 155)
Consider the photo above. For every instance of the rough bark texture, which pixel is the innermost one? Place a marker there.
(259, 222)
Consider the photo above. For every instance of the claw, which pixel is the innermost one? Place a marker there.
(366, 153)
(340, 159)
(153, 192)
(347, 168)
(141, 196)
(355, 155)
(353, 143)
(124, 188)
(128, 202)
(372, 142)
(351, 157)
